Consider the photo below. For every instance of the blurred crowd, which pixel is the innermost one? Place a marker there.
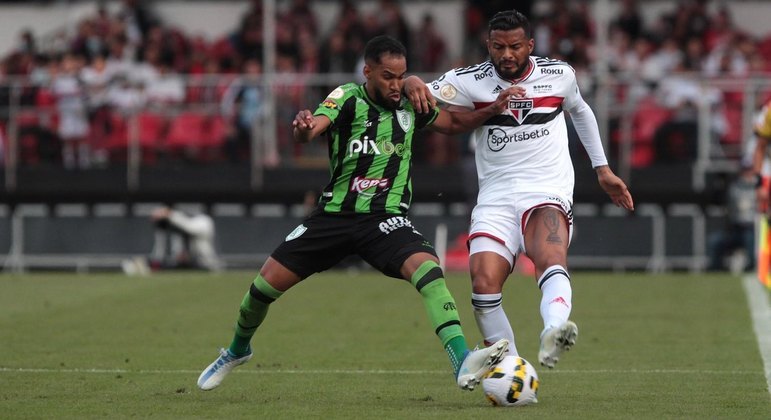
(130, 62)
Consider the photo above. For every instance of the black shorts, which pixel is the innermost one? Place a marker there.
(384, 241)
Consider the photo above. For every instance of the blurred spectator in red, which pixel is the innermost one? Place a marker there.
(73, 118)
(430, 50)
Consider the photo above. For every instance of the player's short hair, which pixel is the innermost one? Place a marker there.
(382, 44)
(508, 20)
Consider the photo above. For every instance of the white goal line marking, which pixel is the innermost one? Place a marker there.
(372, 372)
(760, 312)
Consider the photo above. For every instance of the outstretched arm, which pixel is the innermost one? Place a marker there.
(307, 126)
(454, 122)
(614, 187)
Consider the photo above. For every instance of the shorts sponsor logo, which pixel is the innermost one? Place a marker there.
(497, 138)
(396, 222)
(299, 230)
(361, 184)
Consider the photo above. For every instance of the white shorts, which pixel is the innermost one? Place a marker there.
(504, 223)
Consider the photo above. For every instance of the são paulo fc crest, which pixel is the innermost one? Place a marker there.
(404, 119)
(519, 108)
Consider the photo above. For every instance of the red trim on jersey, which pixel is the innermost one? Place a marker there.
(483, 235)
(548, 101)
(478, 105)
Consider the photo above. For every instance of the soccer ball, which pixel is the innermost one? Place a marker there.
(512, 382)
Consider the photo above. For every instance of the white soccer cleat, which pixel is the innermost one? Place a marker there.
(554, 341)
(213, 375)
(479, 362)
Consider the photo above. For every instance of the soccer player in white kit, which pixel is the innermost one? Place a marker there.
(525, 174)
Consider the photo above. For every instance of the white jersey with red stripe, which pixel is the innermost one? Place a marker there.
(525, 149)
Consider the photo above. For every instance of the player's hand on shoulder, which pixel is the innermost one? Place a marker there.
(615, 188)
(418, 94)
(303, 120)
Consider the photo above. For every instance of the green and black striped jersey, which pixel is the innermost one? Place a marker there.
(370, 152)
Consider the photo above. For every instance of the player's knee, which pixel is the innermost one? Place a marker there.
(486, 282)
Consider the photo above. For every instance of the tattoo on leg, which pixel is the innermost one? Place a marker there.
(552, 223)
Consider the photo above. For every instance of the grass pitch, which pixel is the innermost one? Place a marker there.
(344, 345)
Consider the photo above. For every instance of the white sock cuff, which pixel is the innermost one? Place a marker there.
(550, 272)
(486, 301)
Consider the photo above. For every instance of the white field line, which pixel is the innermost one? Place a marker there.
(760, 311)
(373, 371)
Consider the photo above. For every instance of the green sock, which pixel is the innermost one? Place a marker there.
(440, 305)
(253, 309)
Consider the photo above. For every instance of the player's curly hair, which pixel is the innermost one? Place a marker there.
(508, 20)
(382, 44)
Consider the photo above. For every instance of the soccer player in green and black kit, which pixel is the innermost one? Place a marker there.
(363, 209)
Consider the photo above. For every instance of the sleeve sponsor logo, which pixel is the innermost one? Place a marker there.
(329, 104)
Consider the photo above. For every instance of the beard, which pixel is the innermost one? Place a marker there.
(386, 102)
(510, 74)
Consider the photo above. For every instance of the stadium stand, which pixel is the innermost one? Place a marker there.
(165, 86)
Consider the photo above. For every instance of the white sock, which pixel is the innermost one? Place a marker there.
(557, 296)
(492, 320)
